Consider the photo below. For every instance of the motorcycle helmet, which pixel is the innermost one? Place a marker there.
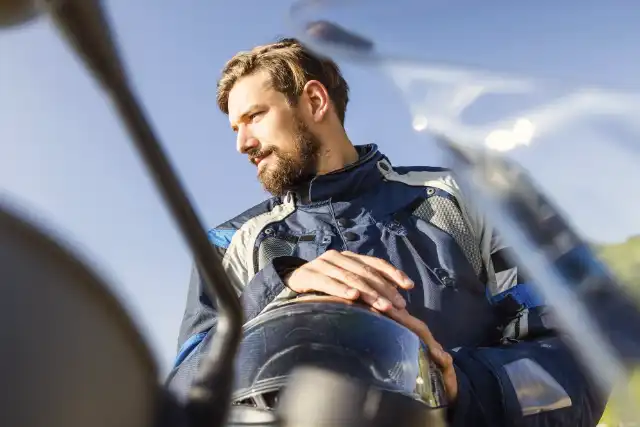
(329, 333)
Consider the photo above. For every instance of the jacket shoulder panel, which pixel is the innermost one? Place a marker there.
(444, 179)
(222, 234)
(422, 176)
(238, 260)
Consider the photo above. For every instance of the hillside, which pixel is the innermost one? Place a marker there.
(624, 261)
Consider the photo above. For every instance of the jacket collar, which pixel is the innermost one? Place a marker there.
(344, 183)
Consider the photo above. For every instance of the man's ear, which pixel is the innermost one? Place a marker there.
(317, 98)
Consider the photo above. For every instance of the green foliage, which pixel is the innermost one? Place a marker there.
(624, 261)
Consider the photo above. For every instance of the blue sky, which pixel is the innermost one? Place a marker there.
(64, 156)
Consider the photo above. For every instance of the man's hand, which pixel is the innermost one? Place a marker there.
(352, 276)
(436, 352)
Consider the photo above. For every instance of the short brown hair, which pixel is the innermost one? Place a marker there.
(291, 66)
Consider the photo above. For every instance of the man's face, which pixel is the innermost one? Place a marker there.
(272, 134)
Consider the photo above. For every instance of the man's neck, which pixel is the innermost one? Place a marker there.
(339, 154)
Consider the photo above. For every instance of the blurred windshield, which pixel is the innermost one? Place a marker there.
(537, 106)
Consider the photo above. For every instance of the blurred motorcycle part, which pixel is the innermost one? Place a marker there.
(535, 139)
(60, 328)
(84, 26)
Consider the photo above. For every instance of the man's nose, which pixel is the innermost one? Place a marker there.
(246, 142)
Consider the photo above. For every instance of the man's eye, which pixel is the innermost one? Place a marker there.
(254, 116)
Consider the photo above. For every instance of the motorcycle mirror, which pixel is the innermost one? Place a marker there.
(330, 32)
(84, 26)
(16, 12)
(71, 355)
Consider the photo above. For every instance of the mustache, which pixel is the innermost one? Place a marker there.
(256, 154)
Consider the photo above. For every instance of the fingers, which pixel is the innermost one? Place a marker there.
(442, 358)
(423, 332)
(352, 276)
(366, 291)
(381, 266)
(417, 326)
(375, 286)
(321, 276)
(450, 380)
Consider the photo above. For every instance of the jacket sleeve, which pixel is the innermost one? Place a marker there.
(530, 378)
(198, 325)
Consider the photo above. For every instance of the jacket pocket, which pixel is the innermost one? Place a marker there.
(273, 244)
(531, 382)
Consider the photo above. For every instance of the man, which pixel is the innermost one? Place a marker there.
(343, 221)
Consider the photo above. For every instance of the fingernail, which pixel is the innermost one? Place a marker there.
(409, 282)
(351, 293)
(382, 304)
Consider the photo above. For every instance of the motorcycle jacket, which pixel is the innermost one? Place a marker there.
(511, 366)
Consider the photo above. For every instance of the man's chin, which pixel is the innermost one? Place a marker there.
(274, 192)
(270, 185)
(278, 182)
(275, 188)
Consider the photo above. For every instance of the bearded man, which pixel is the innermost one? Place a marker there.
(344, 221)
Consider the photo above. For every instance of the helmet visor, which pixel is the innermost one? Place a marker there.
(349, 339)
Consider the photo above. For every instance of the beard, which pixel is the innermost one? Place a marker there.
(293, 167)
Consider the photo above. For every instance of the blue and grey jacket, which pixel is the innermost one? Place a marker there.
(512, 368)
